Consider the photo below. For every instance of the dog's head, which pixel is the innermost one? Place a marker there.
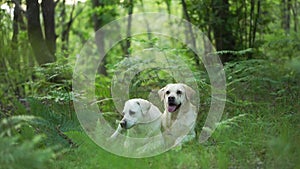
(134, 112)
(175, 95)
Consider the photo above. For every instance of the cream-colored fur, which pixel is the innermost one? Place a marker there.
(141, 119)
(180, 114)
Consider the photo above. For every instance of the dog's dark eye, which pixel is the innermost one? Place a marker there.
(178, 92)
(131, 113)
(168, 92)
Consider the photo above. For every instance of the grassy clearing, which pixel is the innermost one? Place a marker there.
(265, 137)
(259, 129)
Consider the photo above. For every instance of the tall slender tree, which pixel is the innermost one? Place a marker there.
(128, 33)
(295, 10)
(49, 24)
(98, 23)
(17, 15)
(286, 15)
(35, 33)
(222, 28)
(190, 31)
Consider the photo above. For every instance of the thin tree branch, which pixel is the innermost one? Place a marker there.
(128, 33)
(190, 29)
(56, 2)
(18, 5)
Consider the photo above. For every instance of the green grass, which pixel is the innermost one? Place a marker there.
(260, 138)
(260, 128)
(89, 155)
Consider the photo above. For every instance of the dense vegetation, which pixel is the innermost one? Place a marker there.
(258, 43)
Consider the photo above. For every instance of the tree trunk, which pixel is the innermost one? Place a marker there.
(35, 34)
(66, 26)
(295, 15)
(252, 5)
(190, 30)
(256, 22)
(288, 15)
(253, 27)
(168, 3)
(18, 22)
(283, 9)
(149, 35)
(63, 19)
(17, 15)
(98, 23)
(49, 24)
(285, 22)
(222, 29)
(128, 33)
(245, 23)
(13, 63)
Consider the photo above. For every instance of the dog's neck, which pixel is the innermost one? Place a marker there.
(174, 115)
(184, 106)
(151, 118)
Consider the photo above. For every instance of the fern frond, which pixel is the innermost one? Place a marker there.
(20, 155)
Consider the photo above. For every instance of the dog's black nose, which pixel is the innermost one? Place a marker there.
(171, 99)
(123, 123)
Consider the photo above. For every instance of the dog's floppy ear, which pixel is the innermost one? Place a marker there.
(189, 92)
(161, 93)
(144, 104)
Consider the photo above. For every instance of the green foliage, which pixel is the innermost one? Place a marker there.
(259, 127)
(20, 147)
(19, 155)
(255, 124)
(289, 46)
(15, 61)
(240, 19)
(53, 82)
(56, 121)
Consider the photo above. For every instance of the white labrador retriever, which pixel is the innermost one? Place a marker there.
(180, 114)
(141, 119)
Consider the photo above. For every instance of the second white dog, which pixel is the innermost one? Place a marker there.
(142, 121)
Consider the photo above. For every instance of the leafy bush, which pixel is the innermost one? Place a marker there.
(20, 147)
(26, 154)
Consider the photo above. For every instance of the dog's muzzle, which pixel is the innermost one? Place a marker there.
(172, 105)
(123, 124)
